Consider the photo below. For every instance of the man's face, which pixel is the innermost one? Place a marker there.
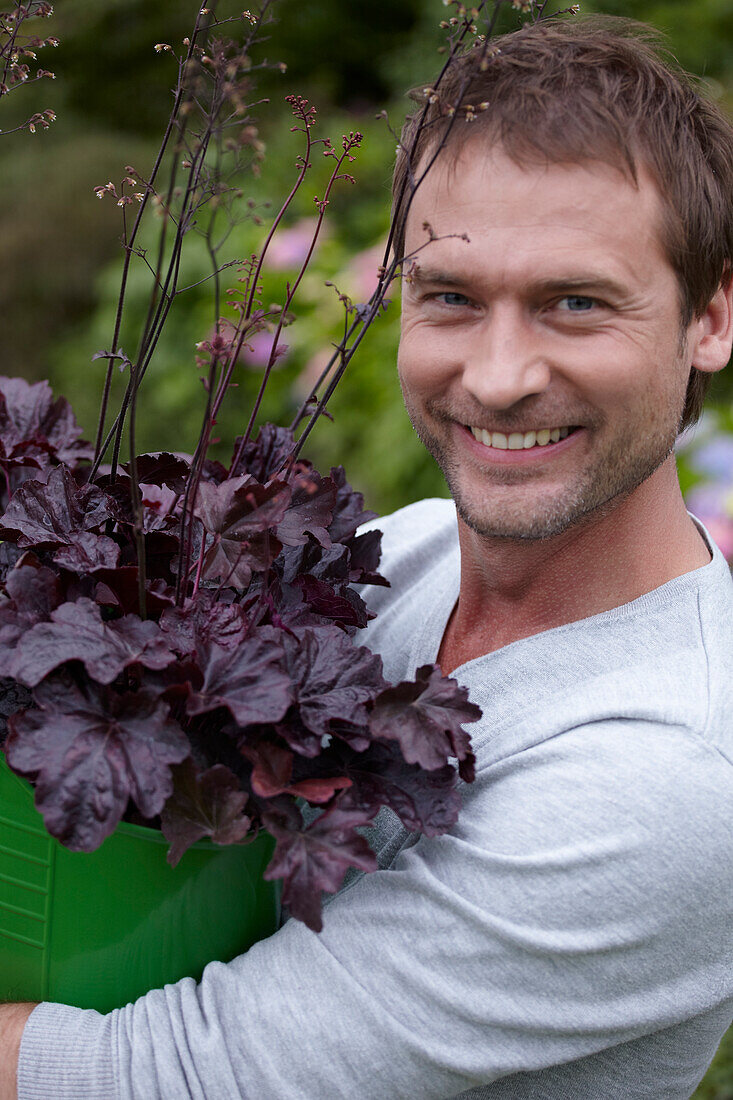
(560, 312)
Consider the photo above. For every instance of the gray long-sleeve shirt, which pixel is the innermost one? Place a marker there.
(571, 937)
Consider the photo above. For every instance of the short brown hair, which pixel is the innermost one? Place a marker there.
(595, 88)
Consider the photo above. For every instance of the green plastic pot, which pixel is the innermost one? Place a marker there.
(99, 929)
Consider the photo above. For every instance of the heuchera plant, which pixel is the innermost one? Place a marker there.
(177, 636)
(218, 712)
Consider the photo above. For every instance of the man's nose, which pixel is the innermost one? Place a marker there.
(505, 360)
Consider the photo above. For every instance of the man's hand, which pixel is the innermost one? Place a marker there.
(12, 1021)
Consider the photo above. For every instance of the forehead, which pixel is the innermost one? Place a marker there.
(538, 213)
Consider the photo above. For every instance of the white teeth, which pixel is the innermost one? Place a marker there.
(518, 441)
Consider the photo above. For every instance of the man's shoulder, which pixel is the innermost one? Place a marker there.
(662, 665)
(410, 529)
(421, 564)
(417, 541)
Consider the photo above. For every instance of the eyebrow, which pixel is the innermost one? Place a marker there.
(585, 280)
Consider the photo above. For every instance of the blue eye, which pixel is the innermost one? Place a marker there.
(452, 298)
(576, 303)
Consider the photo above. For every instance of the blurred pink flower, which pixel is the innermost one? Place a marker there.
(255, 351)
(257, 354)
(362, 274)
(289, 247)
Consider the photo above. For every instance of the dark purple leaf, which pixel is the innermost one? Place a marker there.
(333, 678)
(211, 470)
(30, 412)
(316, 858)
(364, 554)
(232, 563)
(330, 565)
(425, 801)
(160, 508)
(162, 469)
(309, 512)
(266, 455)
(348, 513)
(13, 625)
(10, 436)
(203, 804)
(119, 588)
(10, 554)
(52, 514)
(297, 735)
(289, 608)
(272, 768)
(160, 549)
(241, 507)
(426, 717)
(344, 606)
(319, 790)
(76, 633)
(273, 771)
(356, 737)
(203, 621)
(89, 751)
(117, 496)
(240, 513)
(249, 679)
(158, 505)
(27, 405)
(34, 592)
(34, 589)
(20, 460)
(19, 474)
(13, 697)
(87, 553)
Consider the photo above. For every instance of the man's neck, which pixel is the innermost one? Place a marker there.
(513, 589)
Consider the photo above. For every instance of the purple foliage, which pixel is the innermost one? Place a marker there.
(221, 706)
(209, 803)
(89, 750)
(315, 858)
(426, 719)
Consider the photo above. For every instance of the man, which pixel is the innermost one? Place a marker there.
(572, 936)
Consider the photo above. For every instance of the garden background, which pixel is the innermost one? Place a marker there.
(60, 255)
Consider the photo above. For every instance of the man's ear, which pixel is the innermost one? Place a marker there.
(711, 336)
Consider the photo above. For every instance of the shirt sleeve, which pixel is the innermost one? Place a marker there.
(560, 917)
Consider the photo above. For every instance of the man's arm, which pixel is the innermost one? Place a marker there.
(12, 1021)
(560, 918)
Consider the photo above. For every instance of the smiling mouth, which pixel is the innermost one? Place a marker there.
(520, 441)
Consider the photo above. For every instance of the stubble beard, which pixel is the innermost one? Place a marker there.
(626, 462)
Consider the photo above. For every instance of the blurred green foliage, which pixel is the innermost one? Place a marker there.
(700, 32)
(718, 1081)
(367, 410)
